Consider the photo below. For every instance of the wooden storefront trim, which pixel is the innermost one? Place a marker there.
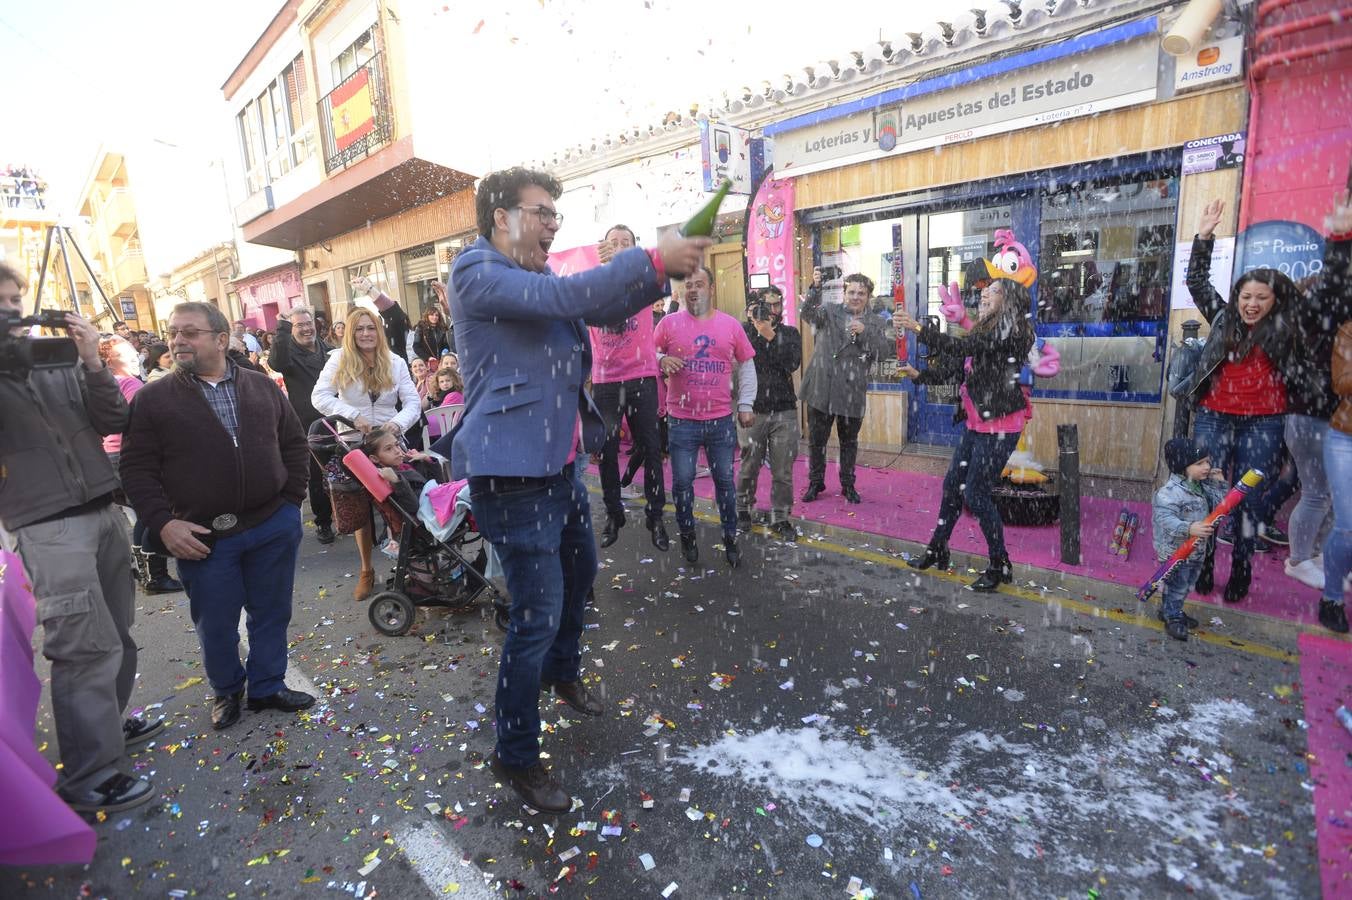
(443, 218)
(1122, 132)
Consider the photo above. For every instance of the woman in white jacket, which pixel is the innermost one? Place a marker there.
(362, 382)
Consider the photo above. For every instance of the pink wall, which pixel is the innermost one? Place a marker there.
(1300, 127)
(263, 298)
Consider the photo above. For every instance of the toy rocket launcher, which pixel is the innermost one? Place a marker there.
(1251, 480)
(899, 303)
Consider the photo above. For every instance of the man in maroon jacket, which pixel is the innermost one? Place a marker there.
(215, 463)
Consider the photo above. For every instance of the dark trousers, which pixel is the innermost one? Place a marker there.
(635, 400)
(541, 529)
(320, 505)
(974, 470)
(253, 571)
(819, 432)
(637, 455)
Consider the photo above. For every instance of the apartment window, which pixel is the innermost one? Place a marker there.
(356, 55)
(275, 127)
(300, 110)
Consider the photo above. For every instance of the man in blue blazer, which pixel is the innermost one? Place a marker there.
(521, 336)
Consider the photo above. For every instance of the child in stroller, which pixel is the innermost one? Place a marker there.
(429, 571)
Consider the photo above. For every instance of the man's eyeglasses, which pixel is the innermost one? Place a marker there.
(547, 215)
(190, 334)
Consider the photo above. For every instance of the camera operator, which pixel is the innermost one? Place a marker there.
(779, 353)
(56, 508)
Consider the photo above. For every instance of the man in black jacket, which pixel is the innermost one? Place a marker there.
(57, 513)
(299, 354)
(214, 461)
(779, 353)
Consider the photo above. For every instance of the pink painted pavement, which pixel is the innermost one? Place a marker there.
(1326, 683)
(904, 505)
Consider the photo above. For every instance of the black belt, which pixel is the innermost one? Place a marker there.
(88, 506)
(510, 482)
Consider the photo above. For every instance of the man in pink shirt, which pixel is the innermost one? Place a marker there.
(624, 384)
(699, 349)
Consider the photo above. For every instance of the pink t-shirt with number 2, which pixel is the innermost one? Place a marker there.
(712, 349)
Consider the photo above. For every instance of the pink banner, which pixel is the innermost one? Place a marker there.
(570, 262)
(769, 240)
(37, 828)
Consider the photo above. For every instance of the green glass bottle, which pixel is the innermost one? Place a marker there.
(701, 224)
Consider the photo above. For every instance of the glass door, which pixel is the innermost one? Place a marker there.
(952, 241)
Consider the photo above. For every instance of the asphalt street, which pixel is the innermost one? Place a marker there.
(819, 723)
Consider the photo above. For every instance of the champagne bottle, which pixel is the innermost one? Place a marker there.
(701, 224)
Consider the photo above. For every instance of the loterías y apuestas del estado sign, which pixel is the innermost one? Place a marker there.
(1040, 93)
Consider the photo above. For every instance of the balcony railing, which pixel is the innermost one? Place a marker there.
(354, 117)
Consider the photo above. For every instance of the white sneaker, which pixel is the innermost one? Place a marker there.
(631, 492)
(703, 472)
(1306, 573)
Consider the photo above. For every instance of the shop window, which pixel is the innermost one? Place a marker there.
(374, 270)
(419, 265)
(1104, 269)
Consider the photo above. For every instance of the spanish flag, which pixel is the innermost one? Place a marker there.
(351, 110)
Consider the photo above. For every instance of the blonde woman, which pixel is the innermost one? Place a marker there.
(371, 387)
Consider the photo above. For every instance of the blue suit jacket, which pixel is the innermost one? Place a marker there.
(525, 356)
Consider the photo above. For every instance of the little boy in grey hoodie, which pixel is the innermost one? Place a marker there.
(1177, 513)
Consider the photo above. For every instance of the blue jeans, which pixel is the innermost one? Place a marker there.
(541, 529)
(718, 437)
(253, 571)
(1338, 547)
(974, 470)
(1177, 585)
(1238, 444)
(1305, 439)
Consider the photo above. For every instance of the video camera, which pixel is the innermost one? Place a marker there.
(22, 354)
(758, 308)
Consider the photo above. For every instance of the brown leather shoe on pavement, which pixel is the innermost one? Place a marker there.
(576, 695)
(535, 785)
(365, 581)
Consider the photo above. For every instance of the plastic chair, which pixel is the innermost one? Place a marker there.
(446, 417)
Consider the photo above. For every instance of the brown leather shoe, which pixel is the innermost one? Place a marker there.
(365, 581)
(576, 695)
(535, 785)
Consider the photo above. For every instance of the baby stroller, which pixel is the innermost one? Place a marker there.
(428, 571)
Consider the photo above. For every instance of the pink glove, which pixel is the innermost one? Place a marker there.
(1048, 361)
(952, 307)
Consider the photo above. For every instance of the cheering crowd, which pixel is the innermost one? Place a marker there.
(202, 439)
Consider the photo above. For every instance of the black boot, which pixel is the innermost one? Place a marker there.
(734, 556)
(689, 547)
(611, 533)
(998, 572)
(1333, 616)
(935, 555)
(659, 534)
(1240, 576)
(813, 490)
(159, 581)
